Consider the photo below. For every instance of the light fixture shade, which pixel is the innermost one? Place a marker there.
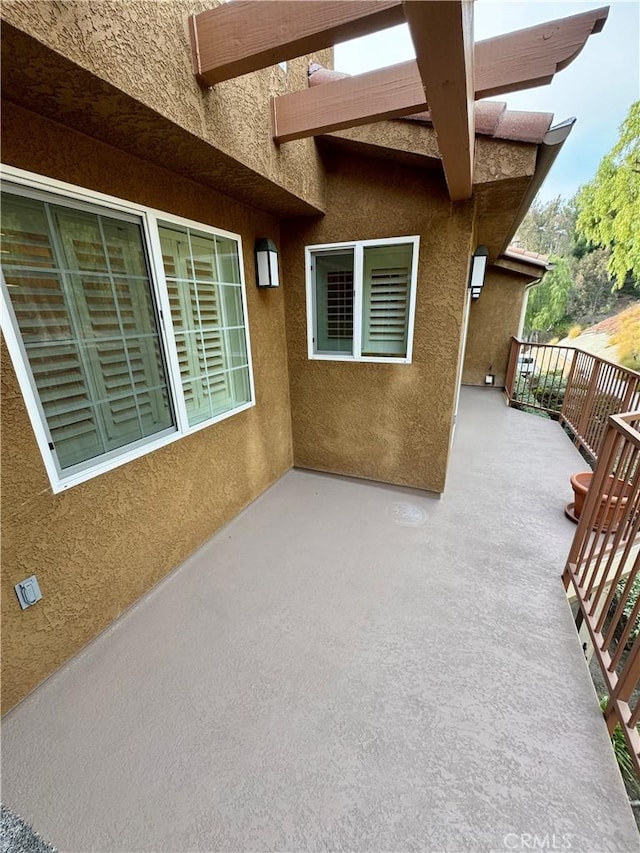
(478, 268)
(266, 263)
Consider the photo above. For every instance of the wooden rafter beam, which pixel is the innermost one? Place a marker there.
(528, 58)
(398, 91)
(377, 95)
(442, 34)
(246, 35)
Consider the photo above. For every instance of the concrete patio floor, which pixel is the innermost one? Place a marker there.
(346, 666)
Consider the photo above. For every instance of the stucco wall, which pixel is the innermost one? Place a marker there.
(142, 48)
(386, 422)
(99, 546)
(493, 319)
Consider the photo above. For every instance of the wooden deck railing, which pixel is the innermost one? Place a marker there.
(576, 388)
(598, 404)
(603, 571)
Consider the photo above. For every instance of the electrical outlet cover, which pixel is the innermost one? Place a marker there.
(28, 592)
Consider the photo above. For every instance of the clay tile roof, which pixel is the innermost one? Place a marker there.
(492, 118)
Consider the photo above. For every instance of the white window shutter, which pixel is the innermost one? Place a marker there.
(80, 293)
(385, 303)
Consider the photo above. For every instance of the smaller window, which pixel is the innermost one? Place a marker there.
(361, 299)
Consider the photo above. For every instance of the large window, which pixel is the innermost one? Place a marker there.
(361, 299)
(127, 327)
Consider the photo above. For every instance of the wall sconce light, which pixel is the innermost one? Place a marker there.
(266, 263)
(478, 267)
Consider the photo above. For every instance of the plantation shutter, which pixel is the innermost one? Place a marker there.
(385, 299)
(80, 291)
(197, 311)
(334, 299)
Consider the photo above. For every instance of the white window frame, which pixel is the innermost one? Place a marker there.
(150, 220)
(358, 247)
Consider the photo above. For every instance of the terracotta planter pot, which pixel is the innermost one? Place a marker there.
(580, 484)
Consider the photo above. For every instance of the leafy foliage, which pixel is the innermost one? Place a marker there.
(627, 338)
(592, 285)
(623, 756)
(548, 301)
(549, 227)
(609, 206)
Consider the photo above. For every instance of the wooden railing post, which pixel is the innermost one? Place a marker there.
(569, 388)
(585, 414)
(514, 353)
(593, 497)
(633, 385)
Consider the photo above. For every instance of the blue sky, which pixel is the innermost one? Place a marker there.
(597, 88)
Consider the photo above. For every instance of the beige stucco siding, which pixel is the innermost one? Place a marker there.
(381, 421)
(99, 546)
(493, 319)
(142, 49)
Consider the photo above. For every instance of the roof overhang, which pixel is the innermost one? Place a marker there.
(526, 267)
(449, 73)
(40, 79)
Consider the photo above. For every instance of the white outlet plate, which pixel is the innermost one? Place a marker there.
(28, 592)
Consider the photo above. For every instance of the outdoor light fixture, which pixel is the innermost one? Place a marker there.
(266, 263)
(478, 267)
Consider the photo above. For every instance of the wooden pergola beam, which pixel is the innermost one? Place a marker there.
(377, 95)
(398, 91)
(528, 58)
(442, 33)
(246, 35)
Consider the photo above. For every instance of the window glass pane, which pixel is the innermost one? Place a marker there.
(188, 358)
(26, 241)
(203, 257)
(124, 248)
(334, 301)
(81, 245)
(241, 385)
(175, 253)
(219, 391)
(197, 401)
(201, 310)
(232, 305)
(40, 306)
(89, 326)
(237, 349)
(176, 291)
(209, 307)
(385, 299)
(228, 264)
(65, 398)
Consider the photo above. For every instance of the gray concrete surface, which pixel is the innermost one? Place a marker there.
(346, 666)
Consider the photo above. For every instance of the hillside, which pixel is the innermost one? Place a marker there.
(611, 338)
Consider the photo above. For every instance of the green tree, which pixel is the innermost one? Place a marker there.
(549, 227)
(591, 293)
(547, 301)
(609, 206)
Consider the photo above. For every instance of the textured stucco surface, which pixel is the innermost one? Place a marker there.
(494, 318)
(503, 170)
(386, 422)
(99, 546)
(498, 160)
(152, 65)
(398, 136)
(323, 677)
